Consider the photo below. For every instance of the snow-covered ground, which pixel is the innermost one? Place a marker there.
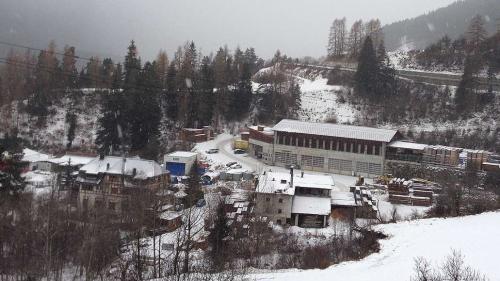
(319, 102)
(476, 237)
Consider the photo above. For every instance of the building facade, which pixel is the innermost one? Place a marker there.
(332, 148)
(110, 182)
(303, 200)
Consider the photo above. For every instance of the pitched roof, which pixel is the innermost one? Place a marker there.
(143, 168)
(335, 130)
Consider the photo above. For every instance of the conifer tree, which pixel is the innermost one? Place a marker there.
(170, 95)
(69, 71)
(366, 74)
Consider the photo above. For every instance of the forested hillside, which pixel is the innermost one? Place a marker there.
(452, 21)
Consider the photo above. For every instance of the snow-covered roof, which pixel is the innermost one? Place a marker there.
(115, 165)
(74, 160)
(335, 130)
(279, 182)
(343, 198)
(311, 205)
(407, 145)
(34, 156)
(183, 154)
(265, 130)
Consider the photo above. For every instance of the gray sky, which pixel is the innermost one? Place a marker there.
(297, 27)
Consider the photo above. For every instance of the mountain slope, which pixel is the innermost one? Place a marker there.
(452, 20)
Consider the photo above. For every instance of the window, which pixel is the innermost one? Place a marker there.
(375, 169)
(318, 162)
(362, 167)
(279, 211)
(334, 164)
(268, 199)
(314, 143)
(377, 149)
(369, 149)
(345, 165)
(278, 222)
(280, 200)
(307, 160)
(111, 206)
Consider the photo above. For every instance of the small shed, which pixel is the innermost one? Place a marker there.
(179, 163)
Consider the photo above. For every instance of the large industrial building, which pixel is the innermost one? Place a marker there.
(353, 150)
(333, 148)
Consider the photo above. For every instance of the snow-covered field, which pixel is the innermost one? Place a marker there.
(476, 237)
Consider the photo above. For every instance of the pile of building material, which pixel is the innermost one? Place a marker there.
(366, 204)
(409, 192)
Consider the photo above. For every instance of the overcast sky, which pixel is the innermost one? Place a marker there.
(297, 27)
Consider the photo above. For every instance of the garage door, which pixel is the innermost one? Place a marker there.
(176, 169)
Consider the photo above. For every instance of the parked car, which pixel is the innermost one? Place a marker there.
(239, 151)
(212, 151)
(231, 164)
(201, 203)
(235, 166)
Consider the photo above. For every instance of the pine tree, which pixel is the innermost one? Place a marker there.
(171, 95)
(11, 182)
(366, 73)
(71, 120)
(476, 33)
(69, 71)
(207, 97)
(112, 123)
(106, 73)
(465, 96)
(132, 67)
(144, 113)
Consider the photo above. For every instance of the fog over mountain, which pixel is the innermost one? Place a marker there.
(452, 20)
(105, 27)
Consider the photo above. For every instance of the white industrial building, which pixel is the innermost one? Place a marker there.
(331, 148)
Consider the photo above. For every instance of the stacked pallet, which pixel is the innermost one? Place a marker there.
(400, 199)
(406, 192)
(399, 192)
(421, 201)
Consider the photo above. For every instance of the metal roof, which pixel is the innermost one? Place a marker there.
(335, 130)
(408, 145)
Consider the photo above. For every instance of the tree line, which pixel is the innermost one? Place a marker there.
(348, 44)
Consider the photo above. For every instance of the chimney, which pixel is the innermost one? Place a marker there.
(107, 166)
(101, 156)
(302, 174)
(291, 175)
(134, 172)
(260, 128)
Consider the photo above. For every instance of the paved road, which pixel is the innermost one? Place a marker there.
(224, 146)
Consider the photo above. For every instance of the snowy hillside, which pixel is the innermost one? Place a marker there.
(320, 102)
(51, 136)
(474, 236)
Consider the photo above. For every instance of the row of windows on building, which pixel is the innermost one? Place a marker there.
(334, 164)
(344, 145)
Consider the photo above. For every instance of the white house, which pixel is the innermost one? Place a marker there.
(297, 199)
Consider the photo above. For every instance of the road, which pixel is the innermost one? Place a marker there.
(435, 78)
(224, 146)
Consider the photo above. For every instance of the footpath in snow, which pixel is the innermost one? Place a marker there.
(476, 237)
